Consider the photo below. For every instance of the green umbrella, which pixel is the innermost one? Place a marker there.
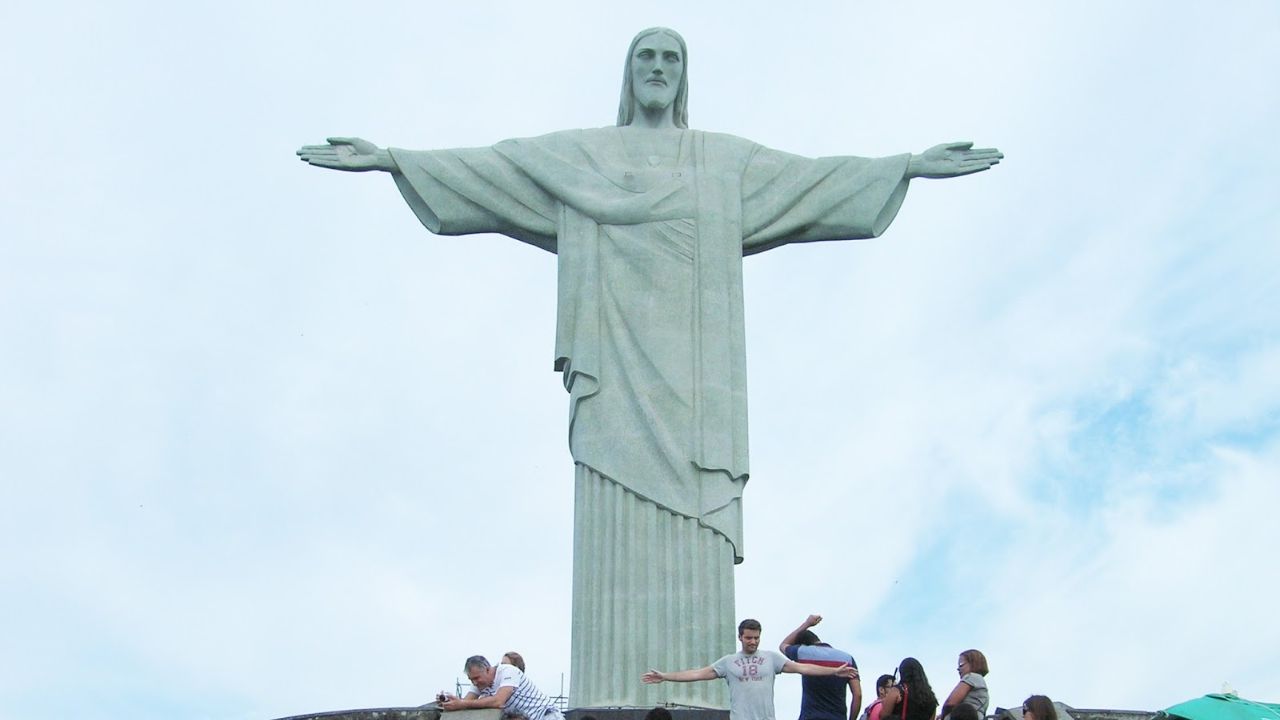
(1224, 707)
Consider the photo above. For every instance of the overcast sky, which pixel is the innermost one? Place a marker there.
(268, 447)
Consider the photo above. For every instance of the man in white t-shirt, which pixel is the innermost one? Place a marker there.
(503, 687)
(750, 674)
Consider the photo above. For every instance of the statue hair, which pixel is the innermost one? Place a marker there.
(680, 107)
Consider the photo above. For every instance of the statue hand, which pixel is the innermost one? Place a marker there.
(952, 160)
(352, 154)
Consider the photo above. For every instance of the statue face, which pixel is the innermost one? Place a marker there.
(656, 71)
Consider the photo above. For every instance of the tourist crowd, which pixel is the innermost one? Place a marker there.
(832, 687)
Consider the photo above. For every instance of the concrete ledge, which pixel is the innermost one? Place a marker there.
(426, 712)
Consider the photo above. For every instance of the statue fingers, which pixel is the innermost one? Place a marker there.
(993, 157)
(983, 153)
(316, 158)
(334, 162)
(316, 150)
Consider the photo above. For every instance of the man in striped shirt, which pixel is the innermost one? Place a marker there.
(503, 687)
(822, 697)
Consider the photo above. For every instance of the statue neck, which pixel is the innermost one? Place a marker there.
(657, 118)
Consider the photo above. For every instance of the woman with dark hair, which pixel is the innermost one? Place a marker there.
(972, 688)
(883, 683)
(1038, 707)
(911, 698)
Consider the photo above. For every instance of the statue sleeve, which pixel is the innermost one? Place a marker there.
(475, 190)
(788, 199)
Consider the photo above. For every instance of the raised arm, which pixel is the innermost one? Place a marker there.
(790, 639)
(657, 676)
(348, 153)
(952, 160)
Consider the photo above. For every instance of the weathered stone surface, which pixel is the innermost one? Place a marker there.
(1066, 712)
(429, 712)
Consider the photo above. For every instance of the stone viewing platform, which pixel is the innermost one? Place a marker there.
(1066, 712)
(678, 712)
(422, 712)
(431, 712)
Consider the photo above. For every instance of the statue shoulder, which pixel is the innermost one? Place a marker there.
(734, 151)
(729, 141)
(565, 139)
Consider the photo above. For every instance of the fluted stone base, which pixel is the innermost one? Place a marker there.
(651, 589)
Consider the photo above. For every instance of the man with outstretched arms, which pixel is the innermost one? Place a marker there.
(503, 687)
(750, 673)
(823, 697)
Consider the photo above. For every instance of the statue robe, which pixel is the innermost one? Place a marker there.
(650, 344)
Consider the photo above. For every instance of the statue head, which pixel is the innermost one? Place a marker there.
(655, 93)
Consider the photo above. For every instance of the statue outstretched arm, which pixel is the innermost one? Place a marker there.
(348, 153)
(952, 160)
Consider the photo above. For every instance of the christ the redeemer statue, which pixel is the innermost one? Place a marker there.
(650, 221)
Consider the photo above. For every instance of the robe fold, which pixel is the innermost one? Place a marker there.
(650, 345)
